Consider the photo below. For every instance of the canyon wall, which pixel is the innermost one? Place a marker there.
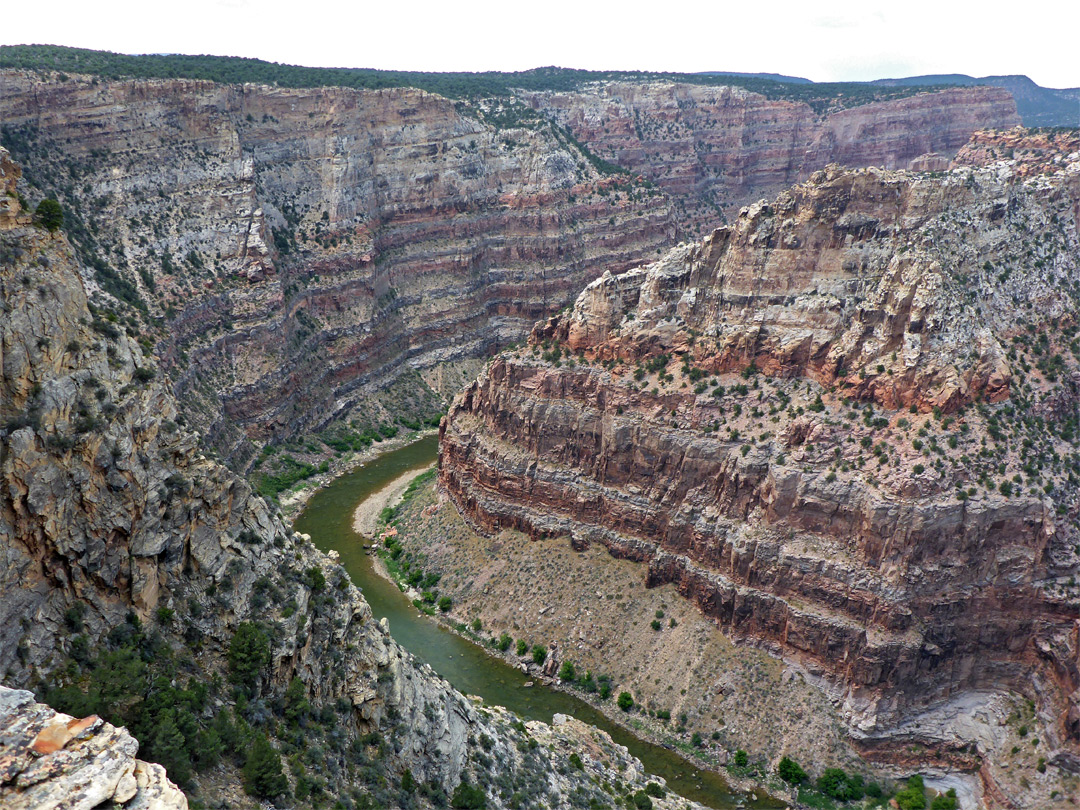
(714, 149)
(143, 579)
(106, 504)
(373, 230)
(845, 426)
(390, 231)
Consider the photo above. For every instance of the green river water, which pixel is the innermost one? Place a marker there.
(328, 519)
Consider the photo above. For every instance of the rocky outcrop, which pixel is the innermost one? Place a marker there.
(714, 149)
(51, 760)
(1028, 151)
(9, 196)
(377, 230)
(845, 427)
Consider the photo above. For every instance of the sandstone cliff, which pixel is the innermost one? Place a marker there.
(714, 149)
(376, 230)
(389, 231)
(845, 427)
(133, 567)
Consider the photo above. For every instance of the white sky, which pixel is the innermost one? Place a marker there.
(822, 41)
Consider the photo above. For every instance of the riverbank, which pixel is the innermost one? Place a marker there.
(291, 503)
(366, 516)
(761, 787)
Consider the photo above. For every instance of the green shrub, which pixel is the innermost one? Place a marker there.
(742, 759)
(945, 801)
(468, 797)
(50, 215)
(790, 771)
(913, 796)
(539, 653)
(835, 783)
(445, 603)
(566, 671)
(604, 682)
(504, 642)
(314, 579)
(522, 647)
(625, 701)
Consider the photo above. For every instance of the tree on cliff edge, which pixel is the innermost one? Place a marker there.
(50, 215)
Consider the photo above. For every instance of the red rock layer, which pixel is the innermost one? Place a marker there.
(716, 148)
(374, 231)
(862, 549)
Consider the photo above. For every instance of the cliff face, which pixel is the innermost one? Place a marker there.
(714, 149)
(375, 230)
(122, 549)
(386, 231)
(845, 427)
(106, 504)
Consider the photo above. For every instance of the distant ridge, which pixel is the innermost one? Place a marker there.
(772, 77)
(822, 97)
(1038, 106)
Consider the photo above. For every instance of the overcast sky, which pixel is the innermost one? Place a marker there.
(822, 41)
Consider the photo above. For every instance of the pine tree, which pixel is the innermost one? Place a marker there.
(263, 776)
(169, 748)
(249, 653)
(50, 215)
(296, 704)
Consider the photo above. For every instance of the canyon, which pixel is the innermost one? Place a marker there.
(396, 234)
(840, 428)
(377, 230)
(714, 149)
(844, 427)
(143, 580)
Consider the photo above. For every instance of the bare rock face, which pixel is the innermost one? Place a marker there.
(717, 148)
(106, 504)
(845, 427)
(389, 231)
(377, 230)
(50, 760)
(9, 199)
(1027, 151)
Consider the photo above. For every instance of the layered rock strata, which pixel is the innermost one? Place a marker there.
(374, 230)
(107, 504)
(112, 524)
(714, 149)
(845, 427)
(387, 230)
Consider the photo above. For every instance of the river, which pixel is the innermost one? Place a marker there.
(328, 519)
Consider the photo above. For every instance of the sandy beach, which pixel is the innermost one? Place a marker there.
(366, 516)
